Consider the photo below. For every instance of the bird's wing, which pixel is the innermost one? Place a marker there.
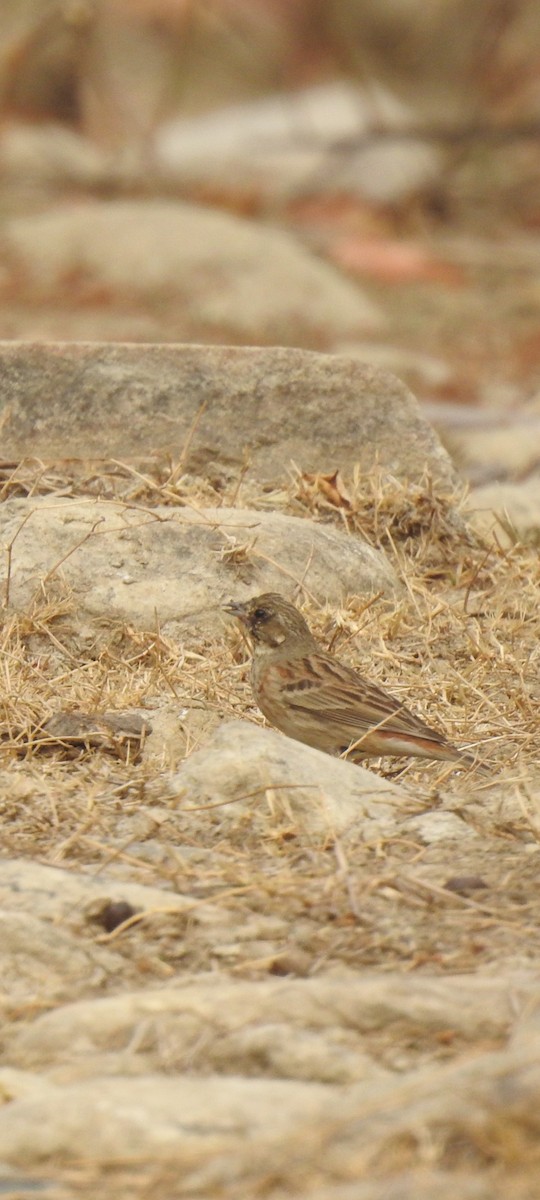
(318, 685)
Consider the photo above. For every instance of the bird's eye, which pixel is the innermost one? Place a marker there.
(261, 614)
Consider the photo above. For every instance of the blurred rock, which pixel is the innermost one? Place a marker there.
(262, 773)
(42, 964)
(213, 1124)
(232, 277)
(348, 1017)
(181, 563)
(433, 827)
(389, 172)
(315, 139)
(285, 1030)
(183, 1119)
(258, 408)
(510, 510)
(18, 1085)
(50, 155)
(64, 896)
(417, 370)
(274, 144)
(510, 450)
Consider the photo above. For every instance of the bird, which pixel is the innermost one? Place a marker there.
(313, 697)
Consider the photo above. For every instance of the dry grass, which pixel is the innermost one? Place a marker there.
(461, 646)
(463, 639)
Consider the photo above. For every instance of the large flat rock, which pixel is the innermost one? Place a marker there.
(216, 1127)
(346, 1019)
(273, 405)
(226, 275)
(129, 563)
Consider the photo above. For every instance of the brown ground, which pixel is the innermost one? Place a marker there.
(462, 647)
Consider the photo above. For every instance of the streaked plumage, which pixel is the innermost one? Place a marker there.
(313, 697)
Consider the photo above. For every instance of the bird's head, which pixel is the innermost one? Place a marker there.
(270, 620)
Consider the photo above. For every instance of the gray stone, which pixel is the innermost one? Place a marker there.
(279, 145)
(27, 886)
(180, 1119)
(434, 827)
(265, 774)
(270, 406)
(229, 275)
(42, 963)
(182, 563)
(51, 155)
(237, 1023)
(510, 510)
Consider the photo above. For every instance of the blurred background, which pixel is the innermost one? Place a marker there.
(358, 176)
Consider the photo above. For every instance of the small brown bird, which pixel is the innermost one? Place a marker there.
(312, 697)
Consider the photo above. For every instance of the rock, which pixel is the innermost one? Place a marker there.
(434, 827)
(120, 733)
(420, 371)
(282, 144)
(175, 733)
(266, 406)
(66, 896)
(42, 963)
(183, 1119)
(176, 1028)
(392, 171)
(264, 774)
(330, 1030)
(273, 145)
(509, 510)
(511, 450)
(183, 563)
(50, 155)
(229, 275)
(214, 1128)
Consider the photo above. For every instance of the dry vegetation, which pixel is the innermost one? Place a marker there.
(461, 645)
(92, 793)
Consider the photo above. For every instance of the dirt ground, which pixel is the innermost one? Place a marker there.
(463, 643)
(461, 647)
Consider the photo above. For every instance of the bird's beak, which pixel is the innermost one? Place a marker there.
(238, 610)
